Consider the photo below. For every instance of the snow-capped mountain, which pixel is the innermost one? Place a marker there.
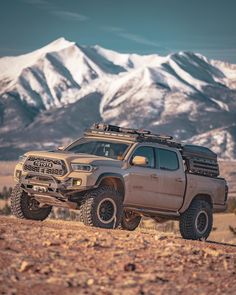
(50, 95)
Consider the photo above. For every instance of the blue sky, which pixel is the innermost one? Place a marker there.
(147, 26)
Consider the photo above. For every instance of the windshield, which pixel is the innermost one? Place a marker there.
(109, 149)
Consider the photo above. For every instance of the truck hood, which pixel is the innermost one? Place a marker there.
(76, 158)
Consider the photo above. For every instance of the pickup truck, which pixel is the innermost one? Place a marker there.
(116, 175)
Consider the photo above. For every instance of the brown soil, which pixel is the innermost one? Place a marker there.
(58, 257)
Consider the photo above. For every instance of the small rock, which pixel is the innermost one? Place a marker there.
(46, 270)
(47, 243)
(212, 252)
(161, 238)
(90, 282)
(25, 266)
(130, 267)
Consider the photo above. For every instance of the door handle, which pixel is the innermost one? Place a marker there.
(179, 179)
(154, 176)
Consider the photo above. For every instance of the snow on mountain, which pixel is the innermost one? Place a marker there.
(182, 94)
(228, 71)
(49, 77)
(58, 90)
(222, 141)
(11, 67)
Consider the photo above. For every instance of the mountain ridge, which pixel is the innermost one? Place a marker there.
(60, 89)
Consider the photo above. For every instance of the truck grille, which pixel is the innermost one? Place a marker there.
(45, 166)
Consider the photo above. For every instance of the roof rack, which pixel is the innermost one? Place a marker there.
(140, 135)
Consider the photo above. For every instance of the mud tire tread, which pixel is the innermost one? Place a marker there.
(90, 202)
(187, 220)
(19, 207)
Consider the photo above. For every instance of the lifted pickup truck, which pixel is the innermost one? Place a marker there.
(117, 175)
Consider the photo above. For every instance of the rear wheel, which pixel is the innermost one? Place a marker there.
(102, 207)
(130, 220)
(196, 221)
(25, 207)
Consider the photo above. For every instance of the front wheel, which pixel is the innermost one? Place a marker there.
(102, 207)
(130, 220)
(25, 207)
(196, 222)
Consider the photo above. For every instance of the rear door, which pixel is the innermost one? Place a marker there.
(170, 181)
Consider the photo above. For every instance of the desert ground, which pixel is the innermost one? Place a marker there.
(64, 257)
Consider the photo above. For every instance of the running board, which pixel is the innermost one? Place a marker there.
(153, 212)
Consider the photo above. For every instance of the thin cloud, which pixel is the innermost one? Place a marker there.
(112, 29)
(72, 16)
(133, 37)
(138, 39)
(55, 10)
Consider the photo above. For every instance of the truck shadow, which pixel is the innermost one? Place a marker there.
(221, 243)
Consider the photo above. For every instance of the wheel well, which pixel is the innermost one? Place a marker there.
(115, 183)
(204, 197)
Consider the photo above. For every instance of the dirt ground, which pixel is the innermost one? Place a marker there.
(58, 257)
(222, 222)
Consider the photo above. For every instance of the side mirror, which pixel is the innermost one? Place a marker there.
(139, 161)
(60, 148)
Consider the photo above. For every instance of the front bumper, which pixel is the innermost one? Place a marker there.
(49, 190)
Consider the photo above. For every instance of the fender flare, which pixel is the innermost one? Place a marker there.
(112, 175)
(201, 196)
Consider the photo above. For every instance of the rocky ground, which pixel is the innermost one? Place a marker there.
(58, 257)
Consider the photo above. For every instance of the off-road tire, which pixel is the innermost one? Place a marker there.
(21, 209)
(189, 226)
(92, 205)
(130, 223)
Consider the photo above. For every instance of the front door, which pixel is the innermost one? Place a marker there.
(141, 181)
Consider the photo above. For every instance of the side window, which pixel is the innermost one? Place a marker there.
(145, 151)
(167, 160)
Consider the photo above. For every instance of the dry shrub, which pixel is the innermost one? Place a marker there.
(168, 226)
(231, 205)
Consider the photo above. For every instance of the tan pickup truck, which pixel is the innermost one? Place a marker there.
(115, 175)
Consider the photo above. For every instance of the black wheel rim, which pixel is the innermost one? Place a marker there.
(202, 222)
(130, 216)
(106, 211)
(33, 205)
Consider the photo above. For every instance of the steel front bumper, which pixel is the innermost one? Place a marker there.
(49, 190)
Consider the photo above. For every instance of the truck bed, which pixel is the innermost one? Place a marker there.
(215, 188)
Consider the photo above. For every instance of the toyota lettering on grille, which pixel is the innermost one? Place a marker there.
(45, 166)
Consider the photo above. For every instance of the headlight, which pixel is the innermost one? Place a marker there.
(82, 167)
(22, 159)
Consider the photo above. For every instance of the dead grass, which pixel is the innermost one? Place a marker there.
(6, 174)
(221, 232)
(228, 171)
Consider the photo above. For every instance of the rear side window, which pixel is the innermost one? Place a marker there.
(145, 151)
(167, 160)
